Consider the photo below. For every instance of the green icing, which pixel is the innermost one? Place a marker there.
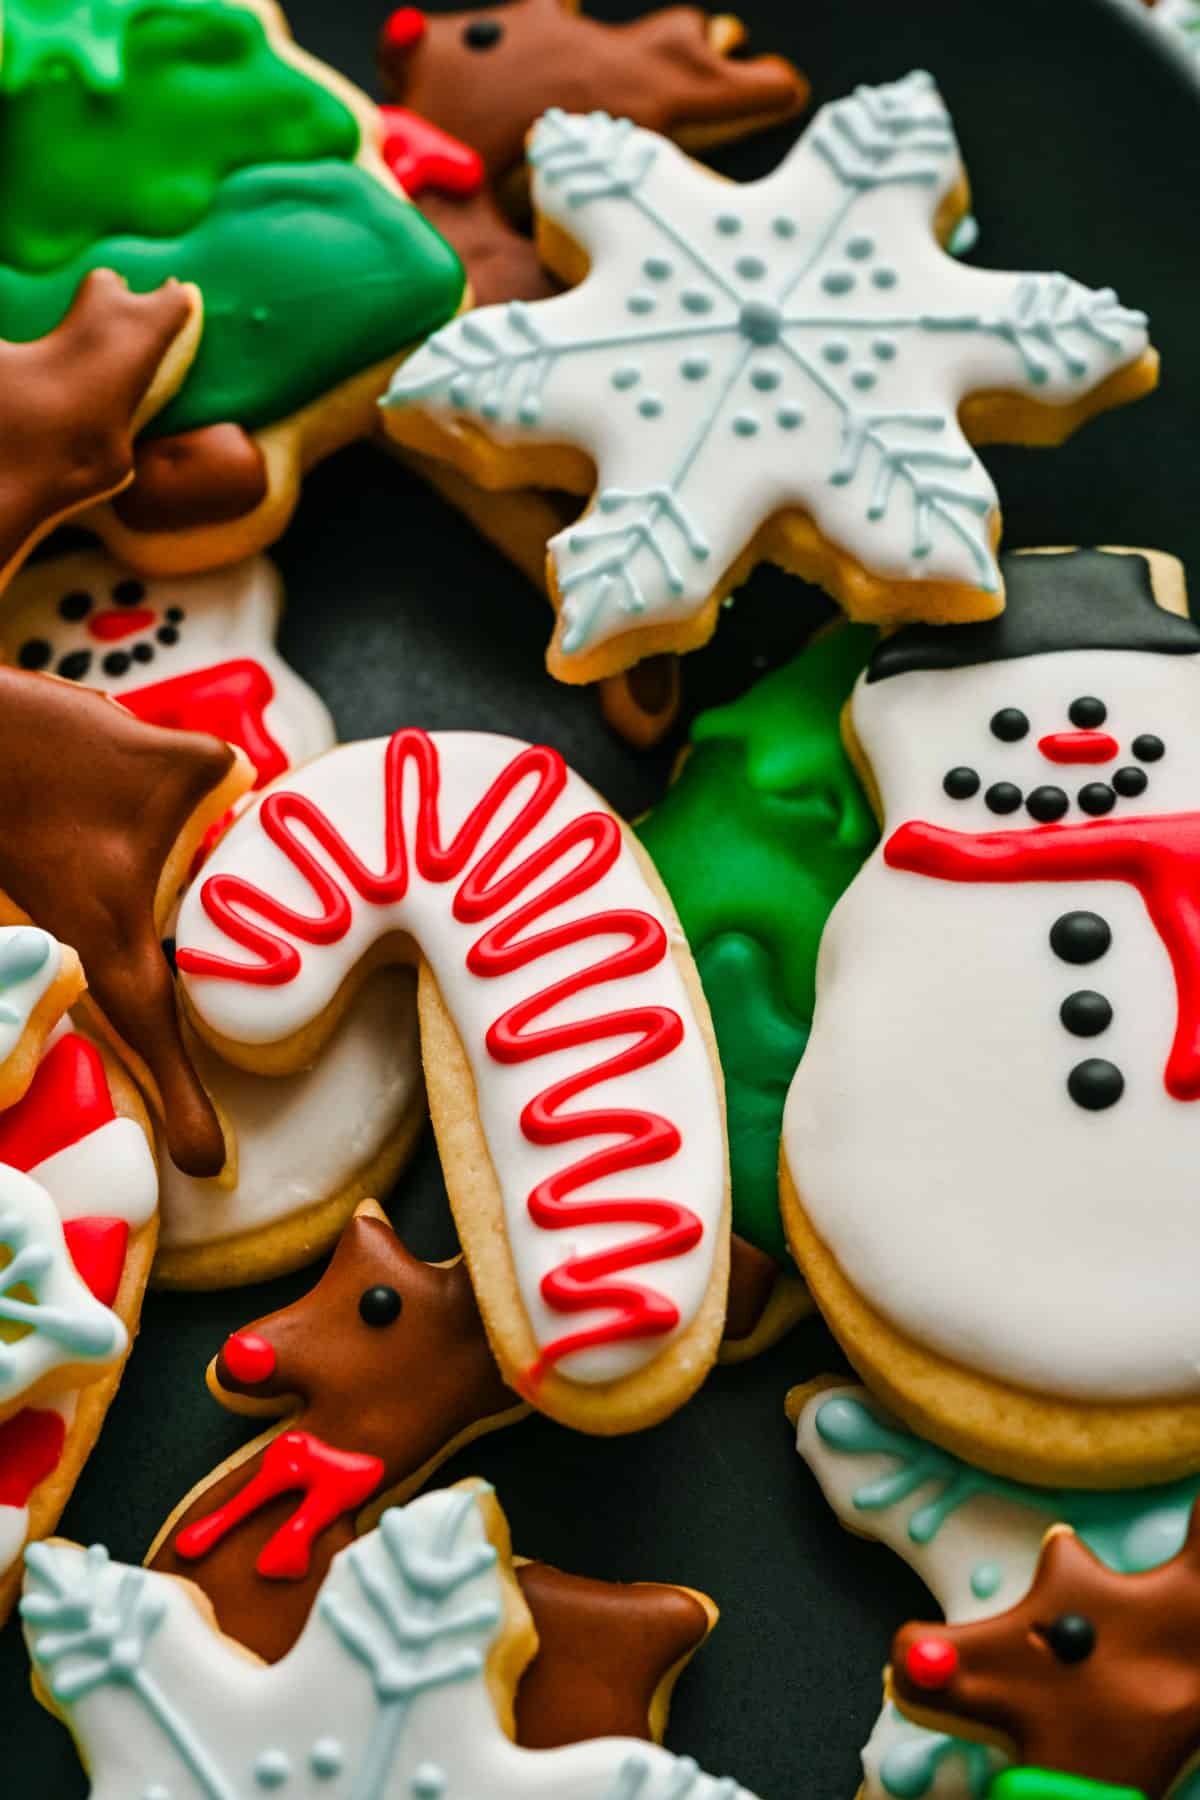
(1044, 1784)
(55, 37)
(309, 275)
(757, 839)
(202, 94)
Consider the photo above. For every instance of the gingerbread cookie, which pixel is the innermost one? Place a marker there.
(193, 137)
(773, 371)
(100, 817)
(974, 1540)
(1023, 928)
(401, 1684)
(76, 396)
(539, 932)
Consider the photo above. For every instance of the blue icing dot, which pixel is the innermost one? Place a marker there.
(789, 417)
(695, 368)
(326, 1758)
(695, 300)
(625, 377)
(529, 411)
(745, 424)
(986, 1578)
(837, 281)
(884, 349)
(750, 268)
(728, 224)
(864, 380)
(836, 352)
(650, 406)
(272, 1769)
(460, 390)
(658, 268)
(860, 248)
(429, 1782)
(640, 301)
(783, 227)
(766, 378)
(884, 278)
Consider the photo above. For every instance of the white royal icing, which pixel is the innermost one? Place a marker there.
(384, 1697)
(347, 786)
(800, 341)
(929, 1129)
(30, 961)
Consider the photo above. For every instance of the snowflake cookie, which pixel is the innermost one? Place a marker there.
(792, 370)
(398, 1689)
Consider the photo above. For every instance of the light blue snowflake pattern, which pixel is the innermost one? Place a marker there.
(800, 342)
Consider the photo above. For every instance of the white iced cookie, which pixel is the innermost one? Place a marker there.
(398, 1689)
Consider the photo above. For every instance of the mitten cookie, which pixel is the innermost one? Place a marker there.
(792, 370)
(100, 817)
(401, 1684)
(196, 139)
(1006, 1046)
(564, 1035)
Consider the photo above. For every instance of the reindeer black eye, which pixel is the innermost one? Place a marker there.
(379, 1306)
(1071, 1637)
(482, 34)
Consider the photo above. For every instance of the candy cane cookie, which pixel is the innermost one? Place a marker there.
(568, 1053)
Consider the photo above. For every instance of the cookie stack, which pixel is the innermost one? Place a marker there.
(685, 1082)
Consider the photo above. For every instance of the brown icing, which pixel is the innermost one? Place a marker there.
(205, 477)
(92, 805)
(604, 1649)
(752, 1278)
(70, 399)
(502, 264)
(1127, 1712)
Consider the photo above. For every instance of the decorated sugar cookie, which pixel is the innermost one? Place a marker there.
(975, 1541)
(100, 817)
(541, 934)
(776, 370)
(39, 980)
(1005, 1046)
(193, 138)
(400, 1686)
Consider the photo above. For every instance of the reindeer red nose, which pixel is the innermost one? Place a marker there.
(405, 28)
(930, 1663)
(1078, 747)
(248, 1358)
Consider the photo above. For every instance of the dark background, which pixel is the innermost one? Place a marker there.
(1081, 132)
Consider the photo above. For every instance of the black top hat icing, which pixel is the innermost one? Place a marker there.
(1066, 600)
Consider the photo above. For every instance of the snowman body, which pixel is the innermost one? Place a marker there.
(195, 652)
(982, 1132)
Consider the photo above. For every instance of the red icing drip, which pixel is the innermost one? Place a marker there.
(581, 1283)
(1159, 856)
(229, 700)
(66, 1101)
(247, 1358)
(931, 1663)
(1078, 747)
(120, 622)
(31, 1443)
(333, 1482)
(405, 27)
(97, 1249)
(421, 155)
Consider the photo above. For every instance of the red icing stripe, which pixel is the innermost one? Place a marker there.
(31, 1443)
(229, 700)
(97, 1249)
(1159, 856)
(1078, 747)
(67, 1099)
(581, 1283)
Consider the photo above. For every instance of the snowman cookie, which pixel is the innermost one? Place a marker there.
(985, 1161)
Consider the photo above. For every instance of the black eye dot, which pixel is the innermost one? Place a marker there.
(960, 784)
(1096, 798)
(167, 634)
(1047, 804)
(1087, 713)
(34, 653)
(142, 653)
(75, 606)
(116, 663)
(1003, 797)
(175, 615)
(1009, 724)
(1130, 782)
(129, 593)
(482, 34)
(75, 665)
(1071, 1636)
(379, 1305)
(1147, 747)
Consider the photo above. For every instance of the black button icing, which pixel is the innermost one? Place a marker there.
(1147, 747)
(961, 783)
(1080, 937)
(116, 662)
(34, 653)
(1130, 782)
(1009, 724)
(167, 634)
(1096, 798)
(142, 653)
(1003, 797)
(1086, 1013)
(1095, 1084)
(1045, 804)
(75, 665)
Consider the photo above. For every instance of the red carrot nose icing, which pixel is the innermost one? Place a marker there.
(405, 28)
(119, 622)
(1079, 747)
(930, 1663)
(248, 1358)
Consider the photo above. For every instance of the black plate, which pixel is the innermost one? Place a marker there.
(1081, 131)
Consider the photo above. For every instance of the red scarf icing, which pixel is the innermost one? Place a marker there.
(1159, 856)
(581, 1283)
(229, 700)
(31, 1443)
